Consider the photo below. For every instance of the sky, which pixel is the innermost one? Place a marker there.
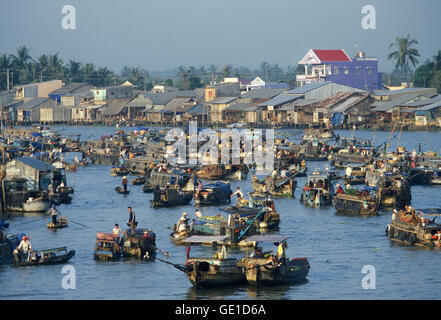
(164, 34)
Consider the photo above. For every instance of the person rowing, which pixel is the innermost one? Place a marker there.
(53, 212)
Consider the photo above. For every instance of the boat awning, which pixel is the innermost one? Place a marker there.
(202, 239)
(365, 188)
(267, 238)
(430, 212)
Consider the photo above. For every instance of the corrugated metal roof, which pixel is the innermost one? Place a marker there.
(222, 100)
(115, 107)
(430, 106)
(36, 164)
(424, 102)
(398, 101)
(267, 238)
(280, 99)
(237, 107)
(345, 105)
(308, 87)
(34, 102)
(262, 93)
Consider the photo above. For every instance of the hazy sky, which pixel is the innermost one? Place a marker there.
(163, 34)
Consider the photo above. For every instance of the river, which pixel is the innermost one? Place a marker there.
(337, 246)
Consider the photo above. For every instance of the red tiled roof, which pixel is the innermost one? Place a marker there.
(332, 55)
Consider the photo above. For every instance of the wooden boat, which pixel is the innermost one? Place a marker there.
(170, 197)
(277, 187)
(62, 222)
(218, 192)
(210, 272)
(270, 269)
(106, 247)
(119, 171)
(219, 171)
(162, 179)
(139, 243)
(7, 245)
(415, 228)
(36, 205)
(138, 181)
(364, 201)
(120, 189)
(318, 190)
(316, 132)
(45, 257)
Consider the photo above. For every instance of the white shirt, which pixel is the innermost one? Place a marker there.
(116, 232)
(25, 245)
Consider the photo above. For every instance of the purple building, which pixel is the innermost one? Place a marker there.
(336, 66)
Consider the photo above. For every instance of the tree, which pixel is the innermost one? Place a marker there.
(227, 70)
(404, 55)
(74, 71)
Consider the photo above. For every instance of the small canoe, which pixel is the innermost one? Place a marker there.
(121, 190)
(62, 222)
(46, 257)
(138, 181)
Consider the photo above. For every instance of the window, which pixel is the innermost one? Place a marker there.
(336, 71)
(369, 70)
(358, 70)
(346, 70)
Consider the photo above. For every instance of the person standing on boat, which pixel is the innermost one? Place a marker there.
(53, 212)
(25, 248)
(116, 231)
(238, 193)
(182, 224)
(132, 223)
(124, 183)
(281, 251)
(198, 213)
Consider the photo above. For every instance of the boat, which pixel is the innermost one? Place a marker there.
(7, 245)
(36, 205)
(317, 132)
(357, 174)
(139, 243)
(277, 187)
(139, 181)
(318, 189)
(62, 222)
(119, 171)
(266, 268)
(164, 179)
(415, 228)
(45, 257)
(120, 189)
(20, 199)
(107, 247)
(169, 197)
(220, 171)
(218, 192)
(364, 200)
(212, 272)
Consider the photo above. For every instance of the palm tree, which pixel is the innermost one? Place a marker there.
(183, 72)
(405, 54)
(42, 66)
(104, 76)
(5, 63)
(88, 70)
(74, 70)
(20, 63)
(55, 66)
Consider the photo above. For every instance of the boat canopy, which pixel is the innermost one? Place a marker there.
(54, 250)
(365, 188)
(202, 239)
(267, 238)
(430, 212)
